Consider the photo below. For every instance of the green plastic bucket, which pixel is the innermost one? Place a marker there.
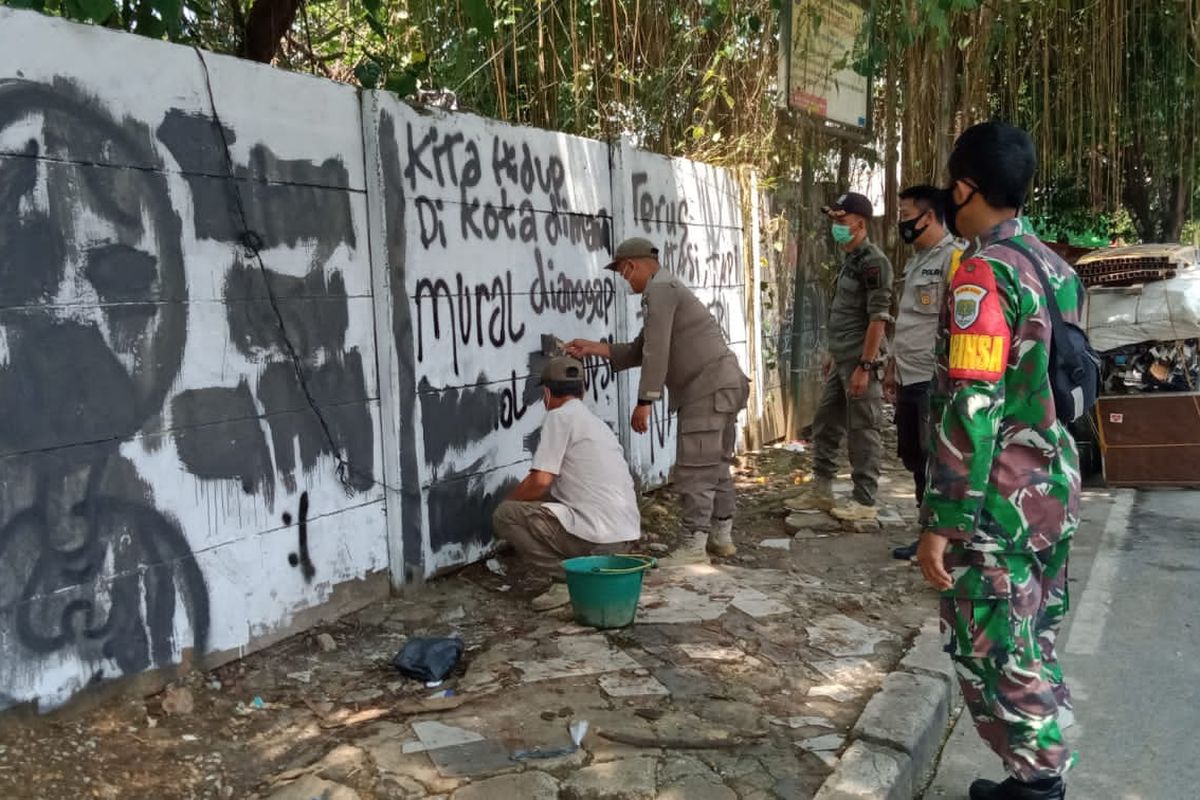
(605, 589)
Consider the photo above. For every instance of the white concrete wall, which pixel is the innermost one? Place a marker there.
(495, 235)
(692, 211)
(154, 440)
(169, 485)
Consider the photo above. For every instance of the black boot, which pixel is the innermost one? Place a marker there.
(1013, 789)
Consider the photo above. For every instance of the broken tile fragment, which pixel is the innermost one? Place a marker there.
(711, 652)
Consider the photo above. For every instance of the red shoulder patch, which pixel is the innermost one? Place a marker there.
(979, 334)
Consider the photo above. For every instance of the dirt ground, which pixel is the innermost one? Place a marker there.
(738, 681)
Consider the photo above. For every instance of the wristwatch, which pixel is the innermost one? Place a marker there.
(870, 366)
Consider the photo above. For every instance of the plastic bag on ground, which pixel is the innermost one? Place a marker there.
(427, 659)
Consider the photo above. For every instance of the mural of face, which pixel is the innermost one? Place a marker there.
(92, 328)
(93, 302)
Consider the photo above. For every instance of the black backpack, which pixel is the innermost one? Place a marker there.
(1074, 366)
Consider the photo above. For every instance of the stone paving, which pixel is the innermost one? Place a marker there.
(739, 681)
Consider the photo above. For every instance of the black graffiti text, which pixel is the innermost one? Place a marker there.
(589, 299)
(486, 306)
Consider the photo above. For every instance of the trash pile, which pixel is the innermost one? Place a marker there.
(1152, 367)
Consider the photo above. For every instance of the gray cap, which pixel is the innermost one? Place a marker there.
(637, 247)
(562, 369)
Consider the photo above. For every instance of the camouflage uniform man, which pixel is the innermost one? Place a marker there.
(1003, 497)
(682, 350)
(852, 401)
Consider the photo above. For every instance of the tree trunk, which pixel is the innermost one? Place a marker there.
(269, 20)
(1137, 196)
(1176, 215)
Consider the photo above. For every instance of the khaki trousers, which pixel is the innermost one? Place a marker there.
(857, 419)
(704, 455)
(541, 540)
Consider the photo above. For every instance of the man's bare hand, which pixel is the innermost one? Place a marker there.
(826, 366)
(640, 421)
(931, 555)
(859, 381)
(889, 388)
(580, 348)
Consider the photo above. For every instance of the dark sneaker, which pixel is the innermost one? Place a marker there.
(906, 553)
(1013, 789)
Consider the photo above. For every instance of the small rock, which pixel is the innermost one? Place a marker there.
(549, 716)
(326, 642)
(658, 547)
(178, 700)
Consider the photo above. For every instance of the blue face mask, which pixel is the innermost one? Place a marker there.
(841, 233)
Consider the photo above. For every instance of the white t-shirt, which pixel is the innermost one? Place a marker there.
(592, 485)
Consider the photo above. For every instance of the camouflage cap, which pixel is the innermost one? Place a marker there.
(637, 247)
(562, 369)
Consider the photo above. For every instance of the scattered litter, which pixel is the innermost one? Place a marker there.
(151, 722)
(178, 700)
(188, 737)
(793, 447)
(830, 742)
(427, 659)
(504, 588)
(433, 734)
(577, 729)
(709, 652)
(432, 684)
(258, 703)
(326, 642)
(494, 565)
(802, 722)
(215, 686)
(471, 760)
(443, 693)
(839, 636)
(615, 685)
(776, 544)
(304, 676)
(834, 691)
(657, 547)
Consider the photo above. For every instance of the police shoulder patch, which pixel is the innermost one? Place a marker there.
(979, 334)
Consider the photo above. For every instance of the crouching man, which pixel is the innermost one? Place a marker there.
(578, 498)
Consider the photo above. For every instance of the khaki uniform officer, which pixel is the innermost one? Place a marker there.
(851, 405)
(682, 352)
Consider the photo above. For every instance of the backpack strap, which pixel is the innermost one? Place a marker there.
(1056, 318)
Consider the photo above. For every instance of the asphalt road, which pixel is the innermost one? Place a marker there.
(1131, 655)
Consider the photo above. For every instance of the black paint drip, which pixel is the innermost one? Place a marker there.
(302, 558)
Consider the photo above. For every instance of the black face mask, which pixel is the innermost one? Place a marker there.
(909, 231)
(952, 208)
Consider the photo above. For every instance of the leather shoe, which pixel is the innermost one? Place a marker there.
(1013, 789)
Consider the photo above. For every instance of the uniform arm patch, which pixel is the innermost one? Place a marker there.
(872, 276)
(979, 334)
